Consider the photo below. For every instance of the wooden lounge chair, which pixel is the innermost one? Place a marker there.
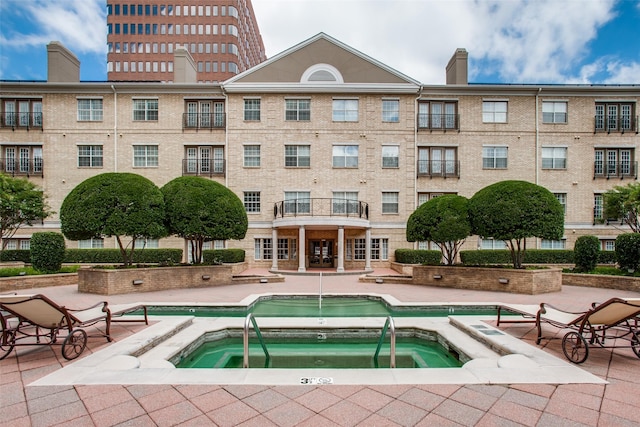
(614, 319)
(37, 320)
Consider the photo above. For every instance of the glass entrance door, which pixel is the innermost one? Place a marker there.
(321, 253)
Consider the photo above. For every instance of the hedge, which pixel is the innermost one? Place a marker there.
(16, 255)
(113, 256)
(218, 256)
(532, 256)
(416, 256)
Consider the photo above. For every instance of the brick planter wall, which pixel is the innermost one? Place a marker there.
(601, 281)
(530, 282)
(18, 283)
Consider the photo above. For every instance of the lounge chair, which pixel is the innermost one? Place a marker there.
(37, 320)
(614, 319)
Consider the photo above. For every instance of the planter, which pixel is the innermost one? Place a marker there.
(529, 282)
(18, 283)
(621, 283)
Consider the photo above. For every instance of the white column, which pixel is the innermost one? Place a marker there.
(274, 249)
(302, 249)
(340, 268)
(367, 256)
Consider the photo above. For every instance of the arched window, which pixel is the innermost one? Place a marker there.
(321, 73)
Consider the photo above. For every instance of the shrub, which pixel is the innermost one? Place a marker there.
(607, 257)
(415, 256)
(113, 256)
(586, 252)
(532, 256)
(628, 251)
(219, 256)
(9, 255)
(47, 251)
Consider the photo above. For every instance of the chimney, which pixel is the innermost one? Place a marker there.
(62, 65)
(457, 68)
(184, 67)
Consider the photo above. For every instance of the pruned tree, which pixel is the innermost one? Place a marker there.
(514, 210)
(201, 210)
(114, 204)
(443, 220)
(623, 202)
(21, 204)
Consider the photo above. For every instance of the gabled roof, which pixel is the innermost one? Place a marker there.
(325, 64)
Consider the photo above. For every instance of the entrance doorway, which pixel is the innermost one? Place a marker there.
(321, 253)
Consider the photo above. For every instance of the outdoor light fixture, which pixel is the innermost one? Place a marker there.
(503, 281)
(264, 280)
(437, 276)
(379, 280)
(138, 282)
(206, 277)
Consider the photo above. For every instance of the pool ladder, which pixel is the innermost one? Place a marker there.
(247, 321)
(388, 324)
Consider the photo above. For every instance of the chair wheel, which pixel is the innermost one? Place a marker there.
(575, 347)
(74, 344)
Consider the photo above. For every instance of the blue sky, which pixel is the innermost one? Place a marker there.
(509, 41)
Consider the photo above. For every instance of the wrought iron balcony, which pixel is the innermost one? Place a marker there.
(21, 120)
(439, 168)
(203, 167)
(321, 207)
(22, 167)
(439, 122)
(203, 120)
(620, 170)
(615, 123)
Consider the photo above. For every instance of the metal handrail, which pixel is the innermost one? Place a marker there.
(388, 324)
(245, 340)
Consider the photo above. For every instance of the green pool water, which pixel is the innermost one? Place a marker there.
(411, 352)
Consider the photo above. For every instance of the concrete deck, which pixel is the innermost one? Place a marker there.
(616, 402)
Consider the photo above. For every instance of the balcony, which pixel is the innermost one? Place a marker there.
(439, 168)
(622, 124)
(23, 167)
(439, 122)
(620, 170)
(203, 167)
(321, 207)
(203, 120)
(21, 120)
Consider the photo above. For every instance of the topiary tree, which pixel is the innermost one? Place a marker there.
(201, 210)
(444, 221)
(114, 204)
(586, 252)
(514, 210)
(628, 251)
(624, 202)
(47, 251)
(21, 203)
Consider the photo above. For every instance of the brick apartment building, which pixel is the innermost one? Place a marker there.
(329, 149)
(222, 37)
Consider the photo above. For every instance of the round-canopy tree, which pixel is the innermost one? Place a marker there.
(444, 221)
(201, 210)
(514, 210)
(114, 204)
(623, 202)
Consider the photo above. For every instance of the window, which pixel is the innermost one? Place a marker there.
(438, 161)
(22, 113)
(552, 244)
(204, 160)
(391, 110)
(562, 198)
(389, 202)
(22, 160)
(494, 157)
(145, 109)
(360, 249)
(554, 112)
(297, 202)
(90, 156)
(598, 208)
(252, 109)
(263, 249)
(95, 243)
(252, 201)
(345, 202)
(425, 197)
(390, 154)
(90, 110)
(147, 243)
(252, 156)
(615, 117)
(287, 249)
(494, 111)
(379, 249)
(297, 156)
(145, 156)
(438, 115)
(492, 244)
(297, 110)
(204, 114)
(345, 156)
(608, 245)
(345, 110)
(615, 162)
(554, 157)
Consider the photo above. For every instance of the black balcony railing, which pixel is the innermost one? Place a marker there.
(439, 168)
(620, 170)
(203, 167)
(617, 123)
(21, 120)
(321, 207)
(438, 122)
(23, 167)
(203, 120)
